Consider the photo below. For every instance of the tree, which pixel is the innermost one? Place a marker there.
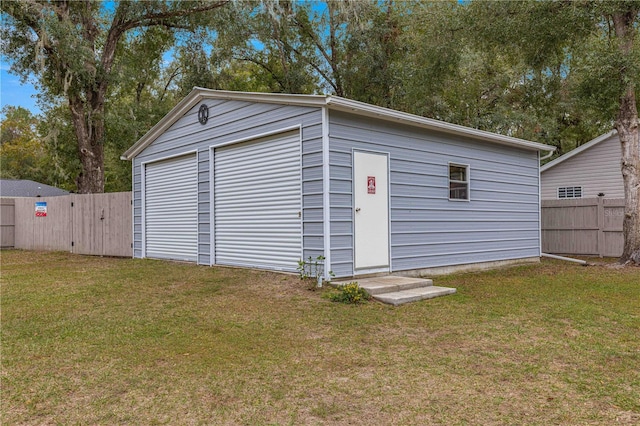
(626, 20)
(22, 153)
(598, 44)
(72, 46)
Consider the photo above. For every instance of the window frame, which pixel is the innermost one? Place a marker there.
(569, 190)
(467, 182)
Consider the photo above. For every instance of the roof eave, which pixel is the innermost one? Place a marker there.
(199, 93)
(577, 151)
(332, 102)
(361, 108)
(165, 122)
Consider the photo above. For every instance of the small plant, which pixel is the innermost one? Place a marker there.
(312, 268)
(350, 293)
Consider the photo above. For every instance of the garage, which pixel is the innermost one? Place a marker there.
(257, 207)
(171, 215)
(267, 180)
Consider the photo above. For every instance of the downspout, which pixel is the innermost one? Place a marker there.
(568, 259)
(548, 155)
(326, 198)
(553, 256)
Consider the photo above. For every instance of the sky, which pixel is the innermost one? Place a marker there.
(13, 92)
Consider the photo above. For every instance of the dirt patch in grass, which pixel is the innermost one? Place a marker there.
(89, 340)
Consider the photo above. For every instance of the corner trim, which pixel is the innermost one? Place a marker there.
(326, 194)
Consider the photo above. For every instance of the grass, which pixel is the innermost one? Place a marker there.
(88, 340)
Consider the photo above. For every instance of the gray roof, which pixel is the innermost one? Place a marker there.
(28, 188)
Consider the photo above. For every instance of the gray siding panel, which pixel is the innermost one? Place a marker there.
(500, 221)
(231, 121)
(596, 169)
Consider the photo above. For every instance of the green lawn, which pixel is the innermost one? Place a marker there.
(89, 340)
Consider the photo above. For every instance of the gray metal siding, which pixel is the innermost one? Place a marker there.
(427, 229)
(231, 121)
(597, 169)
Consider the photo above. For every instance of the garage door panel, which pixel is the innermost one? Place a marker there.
(171, 209)
(251, 151)
(257, 203)
(259, 183)
(257, 166)
(266, 209)
(241, 198)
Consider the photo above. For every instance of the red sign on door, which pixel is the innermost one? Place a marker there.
(371, 184)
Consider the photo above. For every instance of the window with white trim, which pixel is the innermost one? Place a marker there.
(458, 182)
(570, 192)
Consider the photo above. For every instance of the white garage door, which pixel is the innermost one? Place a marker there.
(257, 203)
(171, 209)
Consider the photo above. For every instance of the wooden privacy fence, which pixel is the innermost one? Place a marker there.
(585, 226)
(7, 222)
(96, 224)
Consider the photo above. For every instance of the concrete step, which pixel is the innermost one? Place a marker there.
(412, 295)
(390, 284)
(398, 290)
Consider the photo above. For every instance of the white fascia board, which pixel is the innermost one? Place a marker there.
(165, 122)
(361, 108)
(578, 150)
(332, 102)
(198, 94)
(274, 98)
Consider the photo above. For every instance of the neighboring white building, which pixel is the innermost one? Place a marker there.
(591, 169)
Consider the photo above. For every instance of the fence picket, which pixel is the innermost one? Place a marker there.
(584, 226)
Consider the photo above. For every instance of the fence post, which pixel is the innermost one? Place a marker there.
(601, 246)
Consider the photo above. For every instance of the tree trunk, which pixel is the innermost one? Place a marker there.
(627, 127)
(89, 128)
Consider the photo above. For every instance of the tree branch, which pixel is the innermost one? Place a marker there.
(316, 67)
(173, 75)
(249, 58)
(120, 25)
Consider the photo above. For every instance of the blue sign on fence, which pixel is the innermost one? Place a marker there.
(41, 208)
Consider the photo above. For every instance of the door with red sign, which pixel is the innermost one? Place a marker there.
(371, 212)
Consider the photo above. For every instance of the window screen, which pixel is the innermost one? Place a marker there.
(570, 192)
(458, 182)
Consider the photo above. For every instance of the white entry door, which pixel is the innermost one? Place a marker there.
(371, 215)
